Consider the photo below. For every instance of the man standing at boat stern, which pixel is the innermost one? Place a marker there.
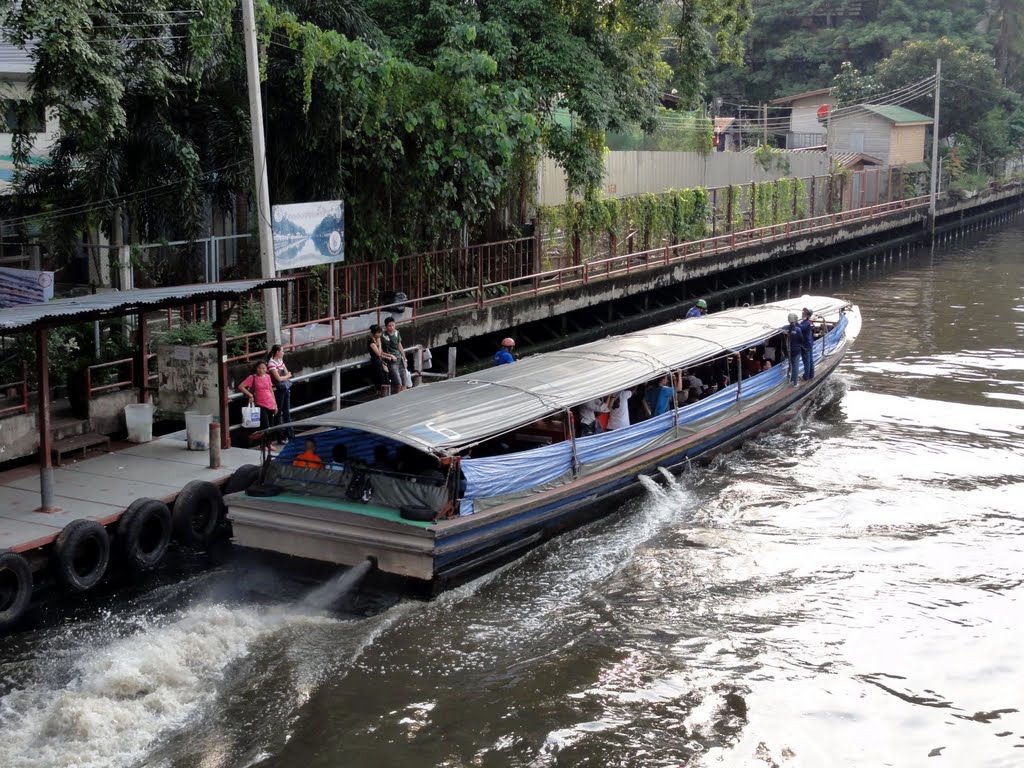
(796, 346)
(808, 349)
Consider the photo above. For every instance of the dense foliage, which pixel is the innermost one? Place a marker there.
(424, 115)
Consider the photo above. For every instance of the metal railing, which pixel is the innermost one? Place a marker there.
(125, 371)
(20, 387)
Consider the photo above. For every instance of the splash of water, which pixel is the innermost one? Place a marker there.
(332, 591)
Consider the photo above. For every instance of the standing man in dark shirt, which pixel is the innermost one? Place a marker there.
(796, 346)
(391, 340)
(808, 349)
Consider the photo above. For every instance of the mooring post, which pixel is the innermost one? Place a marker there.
(214, 445)
(452, 351)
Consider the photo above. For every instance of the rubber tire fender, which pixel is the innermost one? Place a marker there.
(241, 479)
(143, 533)
(418, 513)
(81, 554)
(197, 510)
(14, 599)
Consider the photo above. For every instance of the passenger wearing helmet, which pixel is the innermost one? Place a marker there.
(698, 310)
(504, 355)
(808, 349)
(796, 346)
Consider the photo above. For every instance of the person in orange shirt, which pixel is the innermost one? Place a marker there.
(308, 457)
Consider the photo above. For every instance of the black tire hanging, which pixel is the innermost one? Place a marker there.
(143, 533)
(420, 514)
(81, 554)
(15, 588)
(241, 479)
(197, 510)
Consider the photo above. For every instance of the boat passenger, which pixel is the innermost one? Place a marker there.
(659, 396)
(618, 416)
(699, 309)
(504, 355)
(339, 458)
(378, 361)
(589, 425)
(394, 354)
(382, 458)
(308, 458)
(796, 346)
(807, 351)
(259, 388)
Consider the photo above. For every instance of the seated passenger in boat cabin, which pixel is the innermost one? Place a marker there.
(339, 458)
(752, 364)
(308, 458)
(382, 458)
(589, 425)
(618, 416)
(638, 408)
(659, 396)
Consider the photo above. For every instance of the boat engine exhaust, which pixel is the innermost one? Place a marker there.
(330, 592)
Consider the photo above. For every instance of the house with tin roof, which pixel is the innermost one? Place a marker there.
(894, 135)
(804, 128)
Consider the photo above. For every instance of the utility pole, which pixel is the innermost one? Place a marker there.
(271, 301)
(935, 149)
(764, 117)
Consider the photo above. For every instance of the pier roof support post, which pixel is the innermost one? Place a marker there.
(46, 495)
(222, 372)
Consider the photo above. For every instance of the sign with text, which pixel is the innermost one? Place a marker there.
(308, 234)
(24, 286)
(187, 379)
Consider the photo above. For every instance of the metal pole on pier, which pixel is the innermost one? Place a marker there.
(935, 150)
(271, 301)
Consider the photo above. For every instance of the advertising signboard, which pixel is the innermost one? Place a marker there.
(24, 286)
(308, 234)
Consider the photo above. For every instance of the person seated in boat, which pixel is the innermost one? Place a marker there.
(339, 458)
(308, 458)
(752, 365)
(659, 396)
(690, 380)
(638, 408)
(699, 309)
(504, 356)
(382, 459)
(589, 425)
(618, 415)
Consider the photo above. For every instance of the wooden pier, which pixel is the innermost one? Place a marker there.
(102, 486)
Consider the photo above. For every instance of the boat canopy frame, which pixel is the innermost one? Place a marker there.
(455, 414)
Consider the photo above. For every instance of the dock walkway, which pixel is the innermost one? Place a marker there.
(100, 488)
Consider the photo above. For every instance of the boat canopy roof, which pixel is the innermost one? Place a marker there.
(454, 414)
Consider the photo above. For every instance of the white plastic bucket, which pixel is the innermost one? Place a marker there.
(197, 431)
(138, 418)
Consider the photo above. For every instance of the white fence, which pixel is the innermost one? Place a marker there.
(634, 172)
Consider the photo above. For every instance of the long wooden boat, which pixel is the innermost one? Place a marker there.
(484, 465)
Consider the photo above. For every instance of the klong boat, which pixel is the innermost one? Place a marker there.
(449, 478)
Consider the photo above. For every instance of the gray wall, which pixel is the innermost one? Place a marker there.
(634, 172)
(876, 132)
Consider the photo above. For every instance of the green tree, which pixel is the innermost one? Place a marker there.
(970, 85)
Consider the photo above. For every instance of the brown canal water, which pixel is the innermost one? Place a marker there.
(846, 591)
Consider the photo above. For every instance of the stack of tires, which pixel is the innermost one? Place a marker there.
(84, 548)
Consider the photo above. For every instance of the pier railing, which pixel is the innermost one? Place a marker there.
(16, 391)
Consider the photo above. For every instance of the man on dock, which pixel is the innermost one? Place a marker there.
(698, 310)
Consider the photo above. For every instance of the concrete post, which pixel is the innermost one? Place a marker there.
(215, 445)
(46, 494)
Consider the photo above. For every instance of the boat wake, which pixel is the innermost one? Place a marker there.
(118, 701)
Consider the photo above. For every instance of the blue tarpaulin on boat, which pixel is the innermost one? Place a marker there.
(536, 468)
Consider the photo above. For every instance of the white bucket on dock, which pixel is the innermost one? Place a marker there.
(197, 430)
(138, 418)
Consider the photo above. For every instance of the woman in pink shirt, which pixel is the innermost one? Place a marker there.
(259, 388)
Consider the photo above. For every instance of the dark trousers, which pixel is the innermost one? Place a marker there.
(284, 408)
(795, 354)
(266, 418)
(807, 355)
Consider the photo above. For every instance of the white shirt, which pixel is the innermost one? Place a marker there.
(589, 411)
(619, 416)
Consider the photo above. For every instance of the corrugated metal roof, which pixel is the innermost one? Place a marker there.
(898, 115)
(798, 96)
(456, 413)
(15, 60)
(118, 303)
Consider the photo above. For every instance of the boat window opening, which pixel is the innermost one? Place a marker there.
(546, 431)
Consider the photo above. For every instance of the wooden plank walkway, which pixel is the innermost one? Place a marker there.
(100, 488)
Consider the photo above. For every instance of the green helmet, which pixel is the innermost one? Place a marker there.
(701, 304)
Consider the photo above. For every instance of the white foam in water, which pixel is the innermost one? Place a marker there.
(121, 696)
